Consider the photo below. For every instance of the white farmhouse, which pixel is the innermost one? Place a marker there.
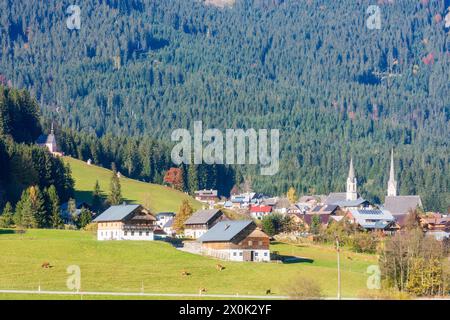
(126, 222)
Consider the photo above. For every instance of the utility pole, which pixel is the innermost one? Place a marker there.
(338, 268)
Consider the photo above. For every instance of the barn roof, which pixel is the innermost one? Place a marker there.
(202, 216)
(225, 230)
(116, 213)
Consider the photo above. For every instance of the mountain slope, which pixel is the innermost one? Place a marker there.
(161, 198)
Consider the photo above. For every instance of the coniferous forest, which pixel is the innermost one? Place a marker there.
(137, 69)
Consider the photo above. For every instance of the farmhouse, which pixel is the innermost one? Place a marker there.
(163, 217)
(259, 212)
(237, 240)
(201, 221)
(126, 222)
(206, 196)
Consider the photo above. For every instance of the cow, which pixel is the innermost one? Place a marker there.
(46, 265)
(219, 267)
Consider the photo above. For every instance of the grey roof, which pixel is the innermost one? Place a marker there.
(116, 213)
(167, 214)
(335, 196)
(225, 230)
(282, 203)
(402, 204)
(168, 224)
(350, 203)
(372, 218)
(202, 216)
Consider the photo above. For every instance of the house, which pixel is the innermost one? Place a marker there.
(372, 219)
(238, 240)
(49, 142)
(163, 217)
(168, 228)
(326, 209)
(126, 222)
(201, 221)
(242, 200)
(66, 216)
(206, 196)
(435, 222)
(282, 206)
(260, 211)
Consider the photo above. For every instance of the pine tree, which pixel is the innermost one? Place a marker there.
(315, 225)
(6, 218)
(24, 216)
(38, 206)
(85, 218)
(193, 179)
(184, 213)
(96, 198)
(115, 195)
(72, 209)
(55, 217)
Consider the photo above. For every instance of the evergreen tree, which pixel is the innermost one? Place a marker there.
(55, 217)
(315, 225)
(85, 218)
(193, 179)
(96, 198)
(38, 207)
(24, 216)
(72, 209)
(183, 214)
(115, 195)
(6, 218)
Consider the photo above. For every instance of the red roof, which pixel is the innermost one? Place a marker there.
(261, 209)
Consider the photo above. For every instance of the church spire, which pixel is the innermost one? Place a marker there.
(51, 131)
(351, 193)
(392, 184)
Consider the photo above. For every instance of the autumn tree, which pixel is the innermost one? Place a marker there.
(292, 195)
(183, 214)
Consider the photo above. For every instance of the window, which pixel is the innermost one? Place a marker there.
(260, 243)
(147, 233)
(140, 233)
(132, 233)
(125, 233)
(234, 254)
(265, 254)
(240, 254)
(250, 243)
(256, 254)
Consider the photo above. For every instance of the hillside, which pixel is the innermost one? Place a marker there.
(311, 69)
(156, 266)
(161, 198)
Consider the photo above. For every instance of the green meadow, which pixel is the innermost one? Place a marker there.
(160, 198)
(156, 267)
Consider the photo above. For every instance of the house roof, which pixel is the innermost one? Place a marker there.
(202, 216)
(282, 203)
(402, 204)
(372, 218)
(225, 230)
(165, 214)
(206, 192)
(261, 209)
(325, 209)
(116, 213)
(168, 224)
(335, 196)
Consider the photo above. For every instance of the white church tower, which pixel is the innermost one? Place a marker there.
(392, 184)
(351, 193)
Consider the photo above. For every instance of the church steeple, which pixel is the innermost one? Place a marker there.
(351, 193)
(51, 131)
(392, 184)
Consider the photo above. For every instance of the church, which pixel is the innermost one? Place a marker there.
(349, 199)
(399, 205)
(49, 142)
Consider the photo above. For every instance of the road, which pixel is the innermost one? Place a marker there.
(138, 294)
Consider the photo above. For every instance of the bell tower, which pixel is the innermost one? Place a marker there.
(351, 193)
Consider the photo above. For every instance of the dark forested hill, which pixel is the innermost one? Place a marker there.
(310, 68)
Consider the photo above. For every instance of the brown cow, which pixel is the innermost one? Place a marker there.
(185, 273)
(46, 265)
(202, 290)
(219, 267)
(268, 291)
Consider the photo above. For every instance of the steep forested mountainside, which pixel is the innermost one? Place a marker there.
(310, 68)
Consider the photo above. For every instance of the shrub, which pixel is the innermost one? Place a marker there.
(303, 288)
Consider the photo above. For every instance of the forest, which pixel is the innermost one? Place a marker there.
(138, 69)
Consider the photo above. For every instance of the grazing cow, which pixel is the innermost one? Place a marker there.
(219, 267)
(46, 265)
(350, 258)
(268, 291)
(185, 273)
(202, 290)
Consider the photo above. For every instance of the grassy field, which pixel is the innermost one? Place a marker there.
(127, 266)
(161, 198)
